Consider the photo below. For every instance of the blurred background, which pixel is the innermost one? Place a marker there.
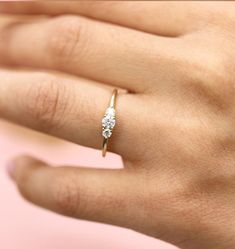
(25, 226)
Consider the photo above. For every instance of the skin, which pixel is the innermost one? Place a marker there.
(175, 61)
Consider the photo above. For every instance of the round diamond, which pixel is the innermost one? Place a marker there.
(108, 122)
(106, 133)
(110, 111)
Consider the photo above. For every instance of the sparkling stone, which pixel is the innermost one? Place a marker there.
(108, 122)
(110, 111)
(107, 133)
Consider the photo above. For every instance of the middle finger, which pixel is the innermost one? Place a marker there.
(92, 49)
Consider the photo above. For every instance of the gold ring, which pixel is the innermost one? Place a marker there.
(109, 121)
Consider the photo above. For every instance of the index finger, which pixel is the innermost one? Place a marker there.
(148, 16)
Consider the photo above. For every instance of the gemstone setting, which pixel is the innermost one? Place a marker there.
(108, 122)
(106, 133)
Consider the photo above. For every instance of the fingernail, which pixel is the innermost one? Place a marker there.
(10, 168)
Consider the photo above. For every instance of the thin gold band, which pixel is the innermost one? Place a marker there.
(108, 121)
(105, 147)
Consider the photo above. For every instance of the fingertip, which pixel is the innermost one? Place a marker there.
(14, 166)
(10, 167)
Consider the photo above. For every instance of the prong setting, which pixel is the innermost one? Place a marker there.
(108, 122)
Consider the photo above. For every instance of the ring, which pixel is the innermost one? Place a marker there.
(109, 121)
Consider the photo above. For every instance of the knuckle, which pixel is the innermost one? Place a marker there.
(46, 103)
(67, 36)
(210, 79)
(66, 195)
(218, 75)
(212, 70)
(218, 66)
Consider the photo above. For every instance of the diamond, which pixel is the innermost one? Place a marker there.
(110, 111)
(107, 133)
(108, 122)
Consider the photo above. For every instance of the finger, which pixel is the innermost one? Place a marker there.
(92, 194)
(68, 108)
(102, 52)
(149, 16)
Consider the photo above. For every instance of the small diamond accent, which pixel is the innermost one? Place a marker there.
(110, 111)
(108, 122)
(107, 133)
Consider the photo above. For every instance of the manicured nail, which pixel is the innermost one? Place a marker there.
(10, 168)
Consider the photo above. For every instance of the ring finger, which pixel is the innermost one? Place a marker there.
(68, 108)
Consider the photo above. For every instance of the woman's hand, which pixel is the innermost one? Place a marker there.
(175, 125)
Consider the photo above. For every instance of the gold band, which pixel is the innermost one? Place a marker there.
(109, 121)
(105, 147)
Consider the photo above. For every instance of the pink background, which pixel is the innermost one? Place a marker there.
(24, 226)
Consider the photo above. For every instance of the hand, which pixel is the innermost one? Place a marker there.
(175, 124)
